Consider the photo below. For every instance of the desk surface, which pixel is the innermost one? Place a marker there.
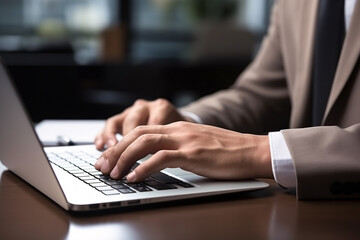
(267, 214)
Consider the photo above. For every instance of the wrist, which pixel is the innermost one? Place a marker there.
(262, 158)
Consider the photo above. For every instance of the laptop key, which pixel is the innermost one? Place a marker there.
(104, 188)
(141, 187)
(87, 178)
(100, 185)
(110, 192)
(126, 190)
(97, 174)
(70, 168)
(82, 174)
(94, 181)
(122, 188)
(101, 176)
(111, 181)
(90, 170)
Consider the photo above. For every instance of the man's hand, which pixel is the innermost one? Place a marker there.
(143, 112)
(205, 150)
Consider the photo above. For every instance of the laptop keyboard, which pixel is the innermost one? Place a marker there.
(81, 165)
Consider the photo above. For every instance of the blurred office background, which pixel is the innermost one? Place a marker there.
(92, 58)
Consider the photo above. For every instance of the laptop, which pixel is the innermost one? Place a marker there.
(67, 176)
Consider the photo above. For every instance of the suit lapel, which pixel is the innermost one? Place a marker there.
(348, 58)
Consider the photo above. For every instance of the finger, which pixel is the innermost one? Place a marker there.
(110, 157)
(159, 161)
(98, 164)
(104, 163)
(137, 116)
(138, 149)
(102, 159)
(99, 143)
(112, 126)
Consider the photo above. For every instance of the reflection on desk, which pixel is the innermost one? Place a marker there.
(266, 214)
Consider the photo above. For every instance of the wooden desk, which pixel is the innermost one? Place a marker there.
(267, 214)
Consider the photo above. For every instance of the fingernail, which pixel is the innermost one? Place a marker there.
(111, 143)
(131, 176)
(105, 166)
(99, 162)
(115, 172)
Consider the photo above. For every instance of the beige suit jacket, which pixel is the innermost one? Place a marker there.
(274, 93)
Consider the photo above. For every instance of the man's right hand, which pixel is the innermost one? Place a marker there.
(142, 112)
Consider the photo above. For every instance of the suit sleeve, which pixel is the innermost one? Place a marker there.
(258, 102)
(326, 161)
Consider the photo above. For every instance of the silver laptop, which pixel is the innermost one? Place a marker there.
(67, 175)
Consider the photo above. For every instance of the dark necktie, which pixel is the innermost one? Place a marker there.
(330, 32)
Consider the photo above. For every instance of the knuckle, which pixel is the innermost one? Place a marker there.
(166, 158)
(196, 151)
(139, 130)
(111, 120)
(139, 102)
(145, 139)
(163, 104)
(163, 155)
(180, 124)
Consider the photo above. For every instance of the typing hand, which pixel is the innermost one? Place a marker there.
(142, 112)
(205, 150)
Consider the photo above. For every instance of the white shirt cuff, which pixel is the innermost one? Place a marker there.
(192, 116)
(282, 162)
